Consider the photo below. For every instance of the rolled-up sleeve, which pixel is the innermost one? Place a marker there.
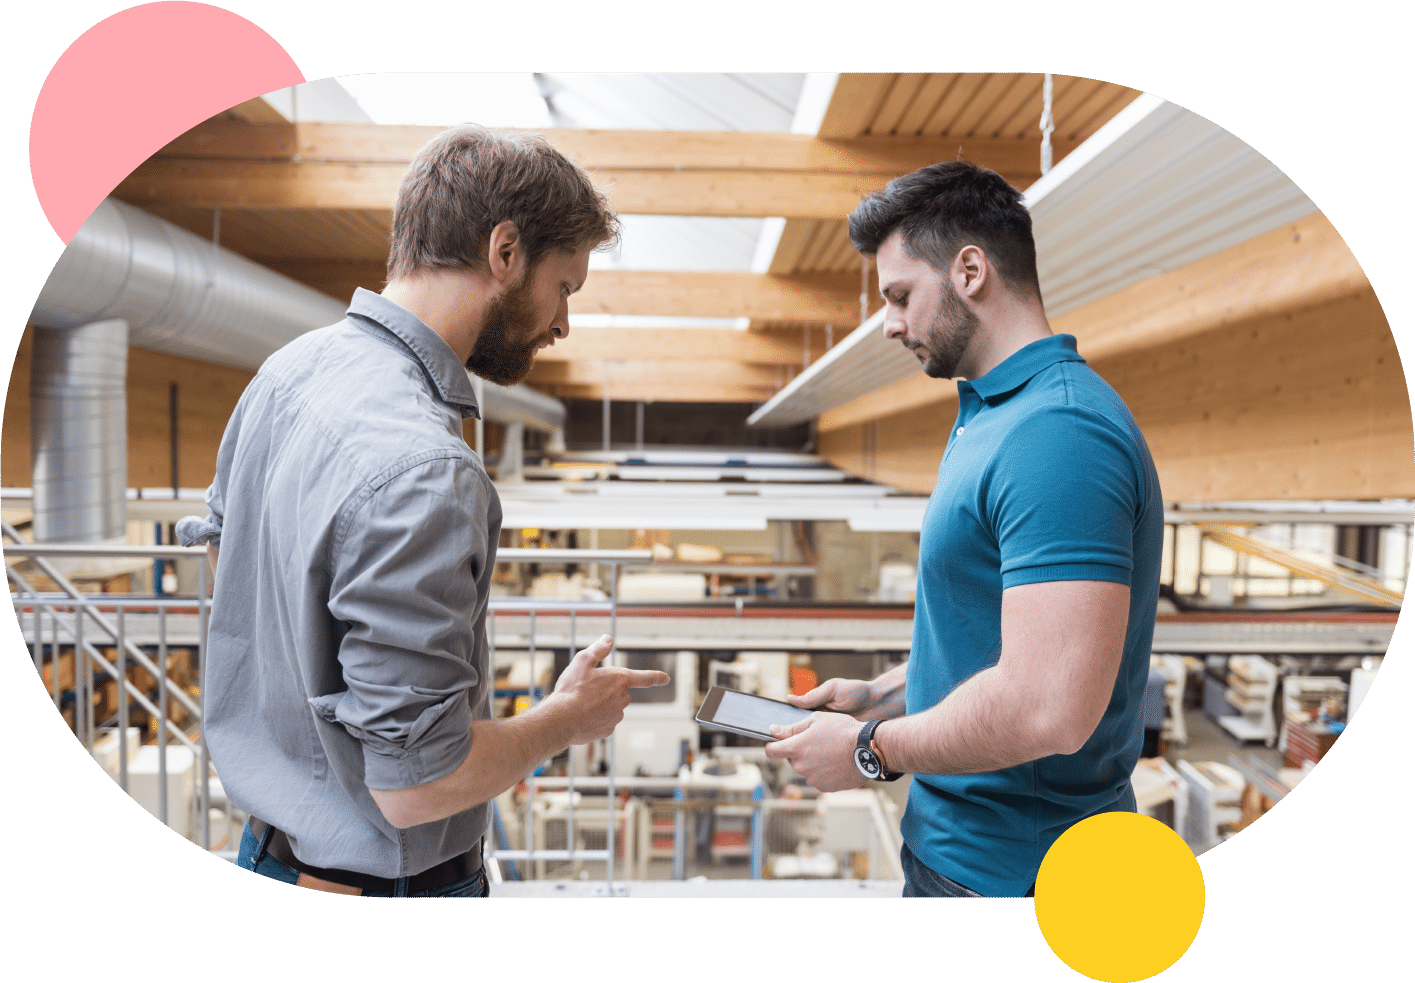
(406, 561)
(195, 531)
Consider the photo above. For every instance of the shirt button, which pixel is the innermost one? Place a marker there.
(958, 432)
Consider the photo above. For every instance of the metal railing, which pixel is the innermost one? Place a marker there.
(87, 624)
(84, 621)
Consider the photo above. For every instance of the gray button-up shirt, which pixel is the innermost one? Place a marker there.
(347, 645)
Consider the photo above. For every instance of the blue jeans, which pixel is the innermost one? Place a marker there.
(922, 881)
(469, 887)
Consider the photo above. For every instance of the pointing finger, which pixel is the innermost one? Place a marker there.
(640, 678)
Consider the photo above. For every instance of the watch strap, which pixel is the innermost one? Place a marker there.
(867, 757)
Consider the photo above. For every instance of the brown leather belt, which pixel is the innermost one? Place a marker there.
(448, 872)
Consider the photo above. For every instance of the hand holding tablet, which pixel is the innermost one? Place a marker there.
(746, 713)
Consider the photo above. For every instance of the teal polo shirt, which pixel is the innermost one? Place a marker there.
(1046, 477)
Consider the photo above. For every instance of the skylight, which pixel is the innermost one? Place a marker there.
(449, 98)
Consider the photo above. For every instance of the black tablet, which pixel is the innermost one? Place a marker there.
(746, 713)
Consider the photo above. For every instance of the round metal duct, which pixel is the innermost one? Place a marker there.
(78, 433)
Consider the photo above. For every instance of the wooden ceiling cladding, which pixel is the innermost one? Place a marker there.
(992, 105)
(963, 106)
(816, 245)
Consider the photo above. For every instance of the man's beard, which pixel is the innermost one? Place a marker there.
(498, 355)
(949, 335)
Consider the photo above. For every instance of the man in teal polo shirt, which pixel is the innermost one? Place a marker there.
(1019, 712)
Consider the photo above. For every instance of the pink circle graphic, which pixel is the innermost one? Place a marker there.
(132, 83)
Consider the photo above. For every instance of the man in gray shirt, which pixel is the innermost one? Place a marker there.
(347, 682)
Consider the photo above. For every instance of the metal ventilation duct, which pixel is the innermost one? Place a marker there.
(179, 293)
(183, 295)
(78, 428)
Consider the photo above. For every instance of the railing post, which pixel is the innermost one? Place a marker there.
(36, 634)
(83, 685)
(54, 655)
(123, 700)
(758, 794)
(162, 714)
(530, 702)
(609, 742)
(570, 766)
(205, 762)
(680, 860)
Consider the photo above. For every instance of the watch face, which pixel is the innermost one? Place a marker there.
(867, 761)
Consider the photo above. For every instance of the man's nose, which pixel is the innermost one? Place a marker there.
(560, 327)
(893, 327)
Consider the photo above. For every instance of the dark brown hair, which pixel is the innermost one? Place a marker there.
(941, 208)
(469, 179)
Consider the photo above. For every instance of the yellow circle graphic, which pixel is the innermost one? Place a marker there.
(1119, 897)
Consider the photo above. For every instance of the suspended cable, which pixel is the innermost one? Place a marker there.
(1047, 124)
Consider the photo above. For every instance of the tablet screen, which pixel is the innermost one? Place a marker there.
(745, 712)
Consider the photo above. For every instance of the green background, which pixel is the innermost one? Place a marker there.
(1315, 890)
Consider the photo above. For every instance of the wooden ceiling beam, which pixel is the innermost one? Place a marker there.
(803, 297)
(224, 163)
(690, 345)
(810, 297)
(613, 150)
(591, 371)
(163, 181)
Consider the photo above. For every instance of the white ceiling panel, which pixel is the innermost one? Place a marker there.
(1160, 188)
(1153, 190)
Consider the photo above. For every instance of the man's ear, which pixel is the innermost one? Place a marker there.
(970, 271)
(506, 252)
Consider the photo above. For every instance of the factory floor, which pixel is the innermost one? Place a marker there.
(1210, 742)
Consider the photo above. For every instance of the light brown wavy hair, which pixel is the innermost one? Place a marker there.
(469, 179)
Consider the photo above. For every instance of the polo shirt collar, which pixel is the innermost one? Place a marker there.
(1019, 367)
(448, 374)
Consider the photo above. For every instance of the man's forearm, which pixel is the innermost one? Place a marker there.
(981, 726)
(1062, 644)
(588, 703)
(502, 753)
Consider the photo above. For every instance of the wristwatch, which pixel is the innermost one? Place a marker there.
(867, 756)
